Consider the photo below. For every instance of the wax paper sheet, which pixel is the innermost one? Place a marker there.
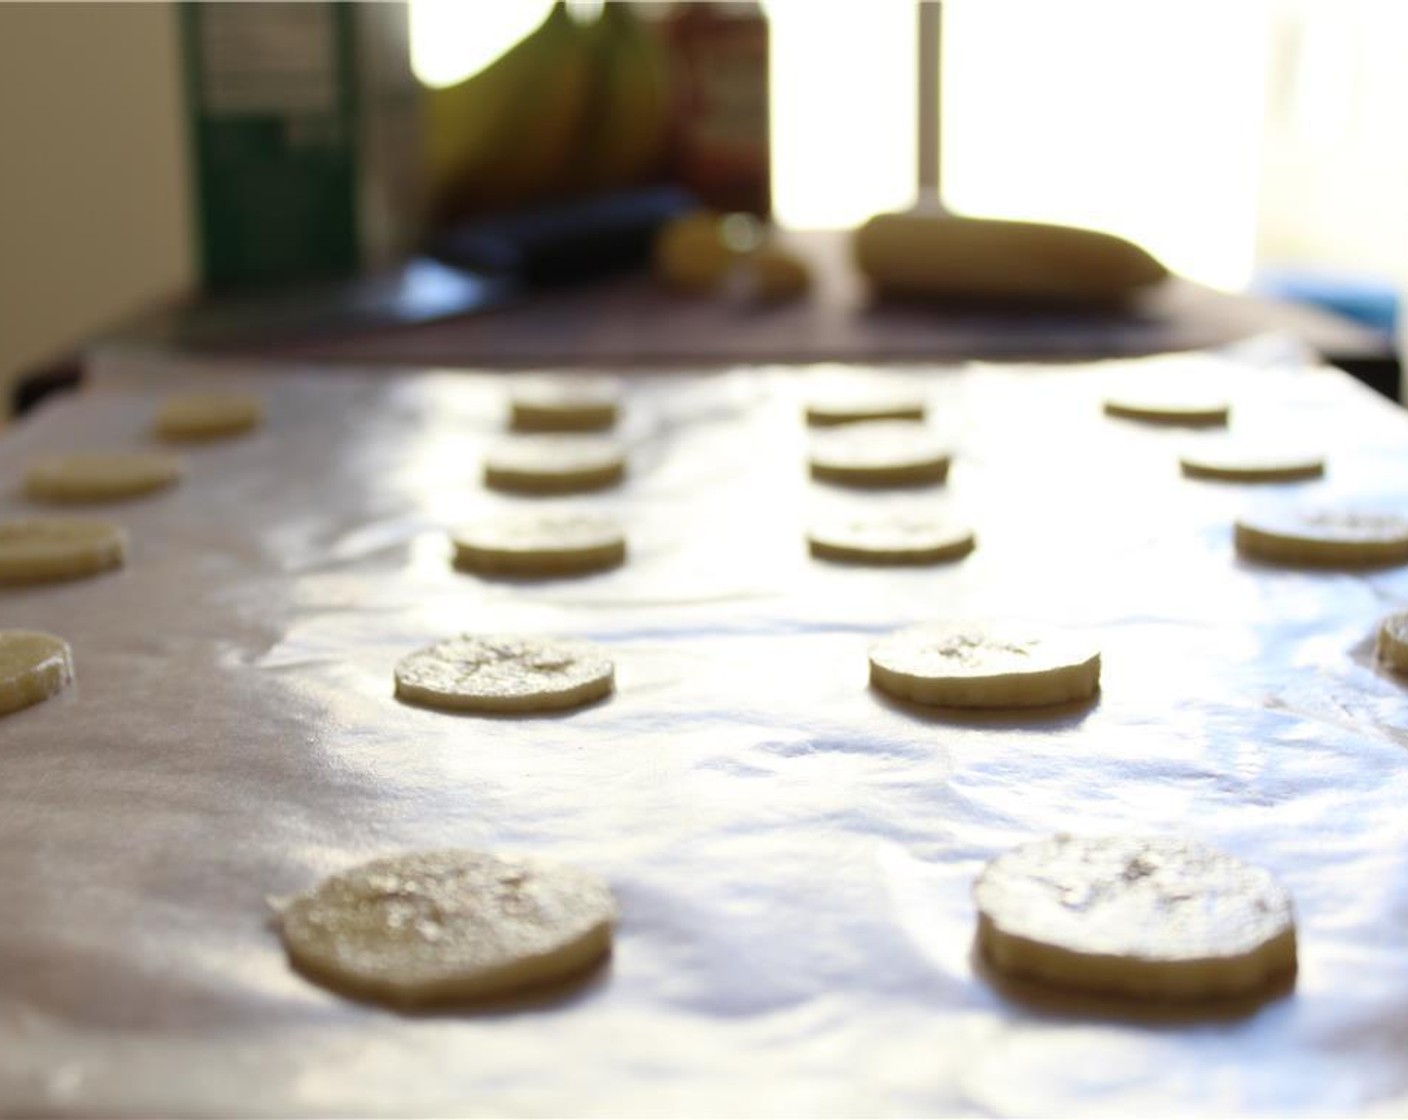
(793, 853)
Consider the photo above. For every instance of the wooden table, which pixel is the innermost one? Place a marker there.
(631, 321)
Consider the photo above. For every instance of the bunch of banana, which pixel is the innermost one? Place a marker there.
(571, 109)
(504, 137)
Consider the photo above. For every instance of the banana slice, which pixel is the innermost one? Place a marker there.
(101, 477)
(43, 548)
(202, 416)
(505, 673)
(1249, 463)
(849, 404)
(969, 665)
(890, 538)
(33, 667)
(564, 404)
(1393, 641)
(1189, 410)
(880, 453)
(541, 544)
(554, 464)
(1156, 917)
(1328, 538)
(448, 927)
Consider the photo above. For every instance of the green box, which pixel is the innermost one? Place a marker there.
(305, 130)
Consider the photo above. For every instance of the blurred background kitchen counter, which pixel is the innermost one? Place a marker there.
(1250, 151)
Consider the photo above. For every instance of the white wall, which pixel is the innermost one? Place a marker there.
(94, 198)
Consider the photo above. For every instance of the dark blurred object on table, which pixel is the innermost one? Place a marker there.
(576, 240)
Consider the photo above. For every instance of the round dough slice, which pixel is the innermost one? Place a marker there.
(564, 404)
(880, 453)
(202, 416)
(101, 477)
(1182, 409)
(1393, 641)
(505, 673)
(448, 927)
(33, 667)
(540, 544)
(42, 548)
(1324, 538)
(849, 404)
(1247, 463)
(890, 538)
(971, 665)
(1153, 917)
(554, 464)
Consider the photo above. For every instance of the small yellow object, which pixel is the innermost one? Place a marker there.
(1250, 463)
(692, 254)
(505, 673)
(33, 667)
(1144, 917)
(100, 477)
(1330, 538)
(37, 549)
(1187, 410)
(707, 253)
(540, 544)
(879, 453)
(564, 404)
(777, 275)
(859, 401)
(203, 416)
(554, 464)
(448, 927)
(890, 538)
(971, 665)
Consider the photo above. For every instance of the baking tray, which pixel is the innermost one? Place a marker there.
(793, 854)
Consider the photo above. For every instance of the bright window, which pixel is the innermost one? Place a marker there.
(1141, 119)
(451, 39)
